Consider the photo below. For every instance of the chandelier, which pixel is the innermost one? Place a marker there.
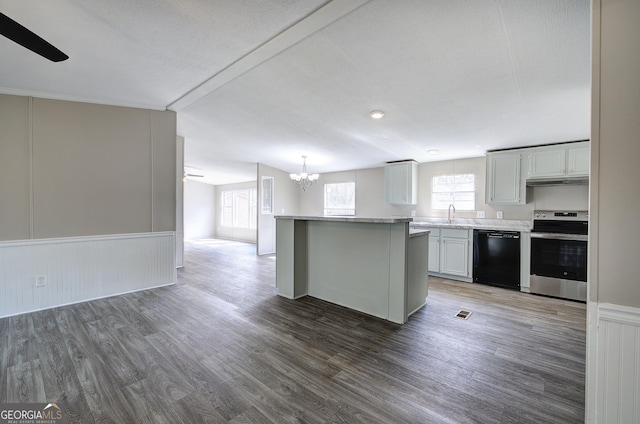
(304, 179)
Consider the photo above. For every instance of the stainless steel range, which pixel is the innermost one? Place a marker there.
(559, 254)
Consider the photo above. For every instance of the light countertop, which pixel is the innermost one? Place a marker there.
(481, 224)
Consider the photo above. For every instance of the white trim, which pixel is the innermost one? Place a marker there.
(58, 240)
(618, 313)
(31, 194)
(591, 371)
(77, 99)
(152, 153)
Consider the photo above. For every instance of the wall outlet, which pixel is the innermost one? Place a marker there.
(479, 214)
(499, 214)
(41, 280)
(413, 213)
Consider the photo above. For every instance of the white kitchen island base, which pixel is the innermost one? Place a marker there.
(372, 265)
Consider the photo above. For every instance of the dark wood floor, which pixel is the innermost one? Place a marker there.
(220, 346)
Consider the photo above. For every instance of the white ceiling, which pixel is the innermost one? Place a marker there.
(270, 80)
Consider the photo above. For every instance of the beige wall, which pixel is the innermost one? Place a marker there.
(82, 169)
(285, 201)
(285, 193)
(370, 193)
(15, 195)
(615, 155)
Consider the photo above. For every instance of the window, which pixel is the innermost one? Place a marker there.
(458, 190)
(267, 195)
(239, 208)
(340, 199)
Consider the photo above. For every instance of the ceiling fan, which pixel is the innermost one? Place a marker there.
(190, 174)
(21, 35)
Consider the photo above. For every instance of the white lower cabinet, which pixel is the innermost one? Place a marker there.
(434, 250)
(450, 253)
(454, 257)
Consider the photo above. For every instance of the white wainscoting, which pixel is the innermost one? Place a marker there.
(618, 365)
(78, 269)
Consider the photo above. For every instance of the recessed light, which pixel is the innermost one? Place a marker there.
(433, 151)
(376, 114)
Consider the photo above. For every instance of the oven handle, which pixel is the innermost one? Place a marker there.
(556, 236)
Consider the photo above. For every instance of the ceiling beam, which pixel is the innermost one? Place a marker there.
(319, 19)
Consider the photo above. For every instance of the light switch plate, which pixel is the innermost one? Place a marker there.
(479, 214)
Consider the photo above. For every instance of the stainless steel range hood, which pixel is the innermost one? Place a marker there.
(557, 181)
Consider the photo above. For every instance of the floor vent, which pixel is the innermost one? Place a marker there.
(463, 314)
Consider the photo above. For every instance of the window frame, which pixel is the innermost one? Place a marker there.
(350, 211)
(459, 205)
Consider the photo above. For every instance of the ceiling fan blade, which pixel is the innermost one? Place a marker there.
(21, 35)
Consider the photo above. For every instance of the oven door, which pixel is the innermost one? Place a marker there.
(559, 265)
(559, 256)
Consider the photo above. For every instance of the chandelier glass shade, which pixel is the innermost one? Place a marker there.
(304, 179)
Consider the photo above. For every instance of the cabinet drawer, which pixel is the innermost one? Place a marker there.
(435, 232)
(454, 233)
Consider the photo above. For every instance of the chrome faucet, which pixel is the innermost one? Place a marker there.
(452, 210)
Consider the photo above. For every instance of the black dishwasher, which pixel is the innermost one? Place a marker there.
(496, 258)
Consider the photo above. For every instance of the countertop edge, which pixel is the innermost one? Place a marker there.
(371, 220)
(418, 233)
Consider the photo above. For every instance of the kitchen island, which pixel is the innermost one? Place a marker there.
(373, 265)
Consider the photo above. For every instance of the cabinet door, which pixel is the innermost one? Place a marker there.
(503, 185)
(397, 182)
(434, 254)
(454, 257)
(547, 163)
(401, 183)
(578, 161)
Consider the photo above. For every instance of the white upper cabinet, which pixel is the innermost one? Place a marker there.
(401, 183)
(578, 160)
(509, 170)
(547, 162)
(562, 160)
(504, 183)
